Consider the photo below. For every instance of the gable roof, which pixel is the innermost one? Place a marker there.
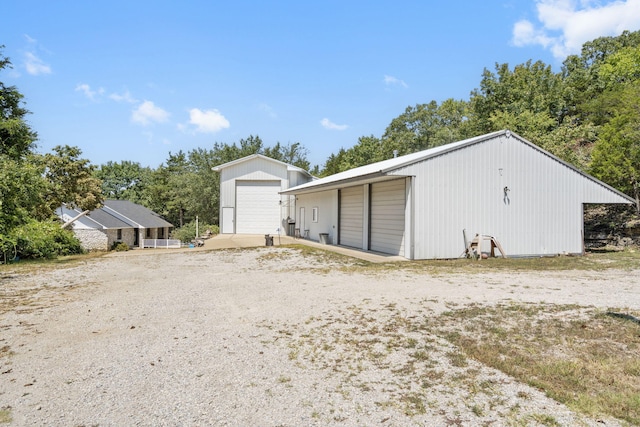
(134, 214)
(118, 214)
(290, 168)
(381, 169)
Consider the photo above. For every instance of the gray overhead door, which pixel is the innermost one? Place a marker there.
(351, 216)
(387, 217)
(257, 207)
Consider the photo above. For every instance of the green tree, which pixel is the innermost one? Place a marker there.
(526, 100)
(70, 179)
(21, 193)
(616, 154)
(21, 183)
(123, 180)
(425, 126)
(583, 80)
(293, 154)
(333, 164)
(16, 137)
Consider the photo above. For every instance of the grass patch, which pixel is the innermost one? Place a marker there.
(579, 356)
(5, 416)
(33, 266)
(592, 261)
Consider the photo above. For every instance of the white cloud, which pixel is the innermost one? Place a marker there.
(34, 65)
(328, 124)
(88, 92)
(210, 121)
(565, 25)
(392, 81)
(147, 112)
(125, 97)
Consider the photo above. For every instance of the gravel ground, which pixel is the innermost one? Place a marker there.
(263, 337)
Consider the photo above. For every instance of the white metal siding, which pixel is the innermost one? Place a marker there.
(326, 202)
(252, 170)
(351, 216)
(464, 189)
(388, 217)
(258, 207)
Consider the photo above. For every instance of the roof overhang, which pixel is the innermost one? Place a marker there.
(347, 182)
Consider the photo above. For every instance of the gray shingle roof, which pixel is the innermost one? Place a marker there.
(134, 214)
(118, 214)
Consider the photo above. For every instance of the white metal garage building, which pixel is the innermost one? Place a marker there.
(250, 200)
(418, 205)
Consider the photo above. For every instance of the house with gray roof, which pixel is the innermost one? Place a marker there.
(116, 221)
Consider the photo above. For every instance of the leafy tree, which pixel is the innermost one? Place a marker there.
(204, 185)
(123, 180)
(582, 75)
(334, 163)
(70, 179)
(425, 126)
(21, 185)
(168, 190)
(616, 155)
(21, 193)
(293, 154)
(526, 100)
(16, 137)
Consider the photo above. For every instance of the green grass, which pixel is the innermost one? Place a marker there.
(592, 261)
(579, 356)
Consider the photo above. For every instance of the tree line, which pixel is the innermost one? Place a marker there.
(587, 114)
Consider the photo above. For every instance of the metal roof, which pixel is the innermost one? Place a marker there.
(289, 167)
(379, 170)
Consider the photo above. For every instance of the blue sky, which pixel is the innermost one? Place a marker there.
(135, 80)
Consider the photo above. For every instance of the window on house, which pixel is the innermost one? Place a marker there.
(160, 233)
(119, 234)
(314, 214)
(148, 233)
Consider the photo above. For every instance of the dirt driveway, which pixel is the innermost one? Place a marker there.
(238, 338)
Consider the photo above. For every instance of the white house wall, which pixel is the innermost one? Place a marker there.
(540, 212)
(327, 203)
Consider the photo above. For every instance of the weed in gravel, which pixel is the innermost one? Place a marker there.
(5, 415)
(543, 419)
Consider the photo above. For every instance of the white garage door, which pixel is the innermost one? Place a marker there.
(257, 207)
(351, 213)
(387, 217)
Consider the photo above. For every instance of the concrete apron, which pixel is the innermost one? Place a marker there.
(228, 241)
(234, 241)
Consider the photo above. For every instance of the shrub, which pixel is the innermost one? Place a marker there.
(119, 247)
(187, 232)
(44, 239)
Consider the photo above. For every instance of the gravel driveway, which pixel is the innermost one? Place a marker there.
(238, 338)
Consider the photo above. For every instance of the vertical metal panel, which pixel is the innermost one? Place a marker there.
(351, 216)
(388, 201)
(539, 213)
